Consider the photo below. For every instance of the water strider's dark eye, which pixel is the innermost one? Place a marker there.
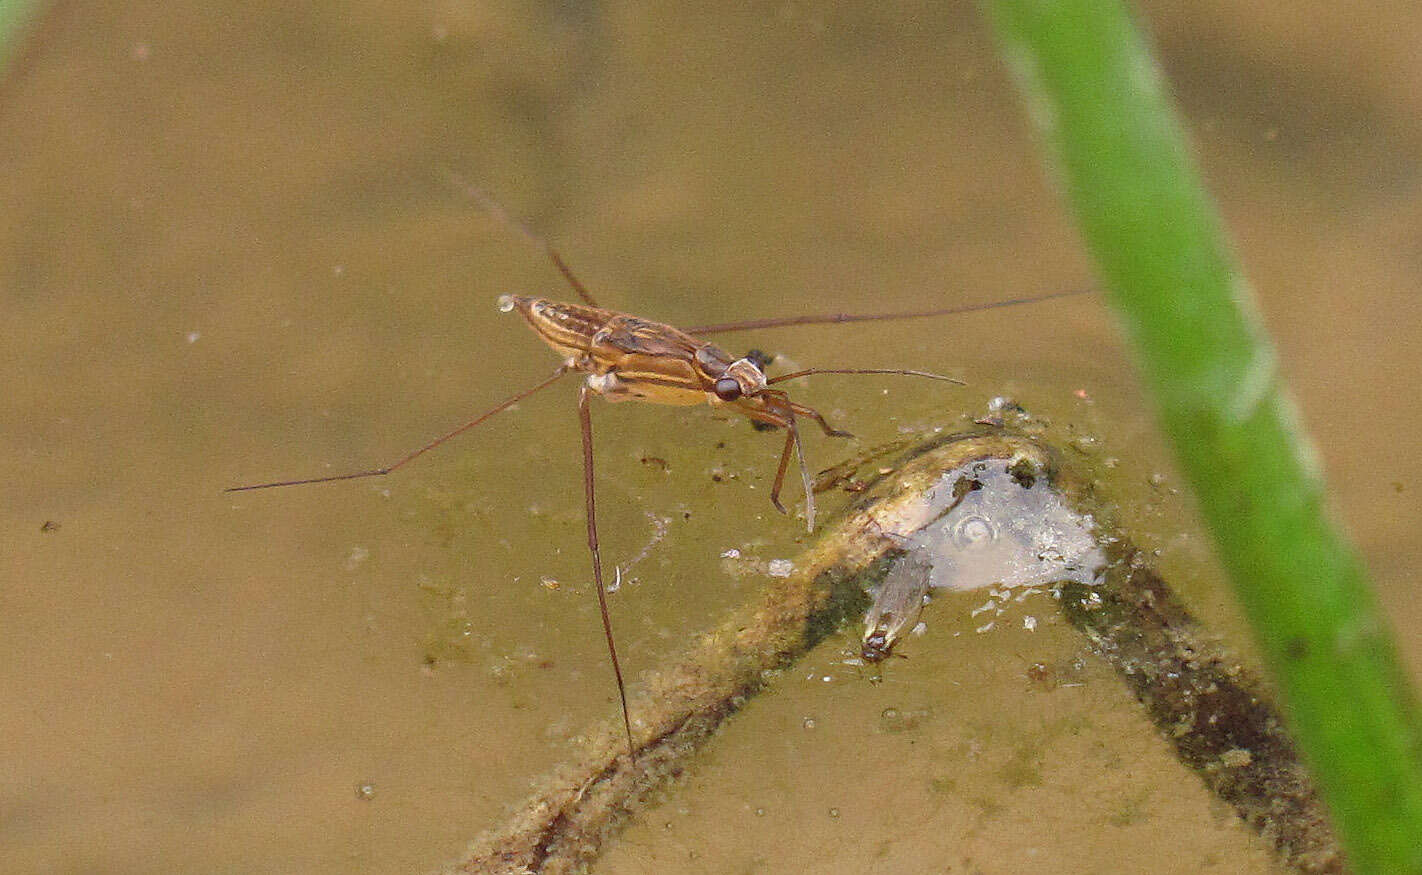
(727, 389)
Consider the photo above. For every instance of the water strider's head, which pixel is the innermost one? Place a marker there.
(731, 379)
(743, 378)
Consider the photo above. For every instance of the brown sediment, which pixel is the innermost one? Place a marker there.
(1209, 709)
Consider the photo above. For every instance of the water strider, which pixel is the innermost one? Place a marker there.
(627, 358)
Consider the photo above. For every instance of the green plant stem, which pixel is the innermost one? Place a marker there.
(1095, 93)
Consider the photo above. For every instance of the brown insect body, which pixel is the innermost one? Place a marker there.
(628, 358)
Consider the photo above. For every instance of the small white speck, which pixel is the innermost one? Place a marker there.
(355, 557)
(779, 567)
(1029, 623)
(986, 627)
(192, 336)
(732, 553)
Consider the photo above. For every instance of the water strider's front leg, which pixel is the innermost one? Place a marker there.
(785, 416)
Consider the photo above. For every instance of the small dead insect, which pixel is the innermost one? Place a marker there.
(897, 603)
(627, 358)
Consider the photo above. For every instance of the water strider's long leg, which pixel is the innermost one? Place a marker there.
(568, 275)
(837, 318)
(792, 442)
(492, 207)
(780, 472)
(585, 420)
(410, 457)
(804, 478)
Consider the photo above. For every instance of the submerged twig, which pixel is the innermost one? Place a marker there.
(1219, 723)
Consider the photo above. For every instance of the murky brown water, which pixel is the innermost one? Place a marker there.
(229, 252)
